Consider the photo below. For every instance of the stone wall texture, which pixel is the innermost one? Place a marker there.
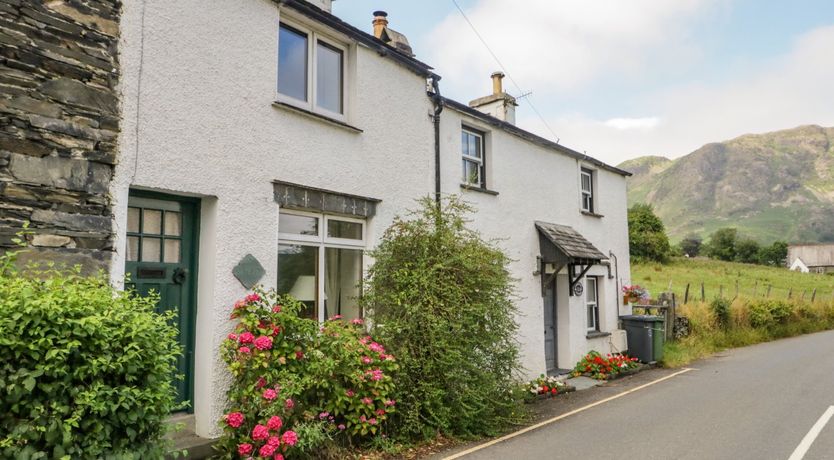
(59, 122)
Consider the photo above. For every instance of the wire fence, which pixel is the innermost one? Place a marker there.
(703, 292)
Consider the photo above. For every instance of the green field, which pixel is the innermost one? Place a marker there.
(752, 280)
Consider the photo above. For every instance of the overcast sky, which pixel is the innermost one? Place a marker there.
(625, 78)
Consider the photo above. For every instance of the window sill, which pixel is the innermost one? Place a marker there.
(592, 214)
(316, 116)
(596, 335)
(478, 189)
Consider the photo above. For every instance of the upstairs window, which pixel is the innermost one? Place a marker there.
(587, 184)
(311, 71)
(472, 145)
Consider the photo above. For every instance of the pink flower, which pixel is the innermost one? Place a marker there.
(289, 438)
(323, 415)
(349, 393)
(232, 336)
(380, 412)
(372, 421)
(357, 321)
(266, 450)
(335, 317)
(274, 423)
(270, 394)
(289, 404)
(246, 337)
(234, 420)
(363, 419)
(260, 432)
(365, 340)
(367, 401)
(244, 449)
(239, 304)
(274, 441)
(253, 298)
(278, 457)
(244, 349)
(376, 348)
(263, 342)
(390, 402)
(276, 309)
(376, 375)
(341, 427)
(276, 330)
(367, 360)
(260, 383)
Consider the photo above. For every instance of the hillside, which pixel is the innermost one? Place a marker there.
(752, 279)
(772, 186)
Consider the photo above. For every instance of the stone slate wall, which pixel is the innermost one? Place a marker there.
(59, 121)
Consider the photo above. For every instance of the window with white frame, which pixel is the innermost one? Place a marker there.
(592, 303)
(320, 262)
(311, 71)
(474, 161)
(586, 177)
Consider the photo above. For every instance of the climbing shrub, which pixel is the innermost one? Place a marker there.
(441, 298)
(299, 388)
(85, 370)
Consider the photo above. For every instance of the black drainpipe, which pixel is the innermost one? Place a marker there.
(438, 107)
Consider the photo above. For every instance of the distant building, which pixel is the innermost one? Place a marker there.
(811, 258)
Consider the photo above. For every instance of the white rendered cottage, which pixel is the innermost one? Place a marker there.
(269, 142)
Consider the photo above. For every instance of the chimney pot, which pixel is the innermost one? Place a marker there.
(497, 84)
(380, 22)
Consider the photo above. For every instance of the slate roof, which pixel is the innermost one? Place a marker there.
(570, 242)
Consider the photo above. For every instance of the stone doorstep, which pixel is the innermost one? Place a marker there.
(187, 439)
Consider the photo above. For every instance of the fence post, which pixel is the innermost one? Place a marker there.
(736, 297)
(756, 288)
(769, 287)
(686, 295)
(790, 292)
(814, 295)
(703, 294)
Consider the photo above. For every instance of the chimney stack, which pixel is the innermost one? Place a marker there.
(380, 23)
(498, 104)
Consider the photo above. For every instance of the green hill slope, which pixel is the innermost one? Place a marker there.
(773, 186)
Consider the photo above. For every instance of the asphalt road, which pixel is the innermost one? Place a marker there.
(757, 403)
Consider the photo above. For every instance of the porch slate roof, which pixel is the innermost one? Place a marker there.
(570, 242)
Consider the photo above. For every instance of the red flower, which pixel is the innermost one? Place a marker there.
(267, 450)
(274, 441)
(553, 391)
(299, 354)
(260, 432)
(274, 423)
(251, 298)
(270, 394)
(234, 420)
(276, 309)
(263, 342)
(246, 337)
(244, 449)
(260, 383)
(289, 438)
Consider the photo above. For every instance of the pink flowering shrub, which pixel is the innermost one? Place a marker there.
(292, 376)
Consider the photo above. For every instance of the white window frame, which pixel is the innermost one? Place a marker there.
(590, 173)
(592, 305)
(313, 38)
(322, 242)
(481, 162)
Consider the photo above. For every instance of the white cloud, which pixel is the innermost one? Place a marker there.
(646, 123)
(553, 46)
(791, 90)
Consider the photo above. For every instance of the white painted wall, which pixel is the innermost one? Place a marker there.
(207, 128)
(537, 183)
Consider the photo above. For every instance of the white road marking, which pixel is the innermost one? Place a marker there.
(809, 438)
(565, 415)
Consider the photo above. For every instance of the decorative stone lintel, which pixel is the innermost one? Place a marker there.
(304, 198)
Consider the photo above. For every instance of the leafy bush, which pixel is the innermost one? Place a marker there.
(85, 370)
(647, 235)
(297, 386)
(722, 244)
(441, 297)
(721, 309)
(595, 366)
(769, 313)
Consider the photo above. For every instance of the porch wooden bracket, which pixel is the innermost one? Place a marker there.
(576, 278)
(547, 279)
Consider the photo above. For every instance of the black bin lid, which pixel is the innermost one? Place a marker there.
(643, 318)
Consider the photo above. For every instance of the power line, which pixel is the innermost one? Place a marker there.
(503, 68)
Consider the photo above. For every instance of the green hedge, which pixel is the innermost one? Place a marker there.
(85, 370)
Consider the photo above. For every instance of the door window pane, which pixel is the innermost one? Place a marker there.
(342, 275)
(344, 229)
(151, 249)
(172, 251)
(151, 221)
(297, 275)
(292, 63)
(173, 223)
(133, 220)
(328, 78)
(132, 249)
(298, 225)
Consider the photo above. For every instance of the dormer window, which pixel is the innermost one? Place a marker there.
(311, 71)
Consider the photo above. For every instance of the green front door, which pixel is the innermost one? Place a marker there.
(162, 257)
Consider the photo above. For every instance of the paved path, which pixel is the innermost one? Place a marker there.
(757, 403)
